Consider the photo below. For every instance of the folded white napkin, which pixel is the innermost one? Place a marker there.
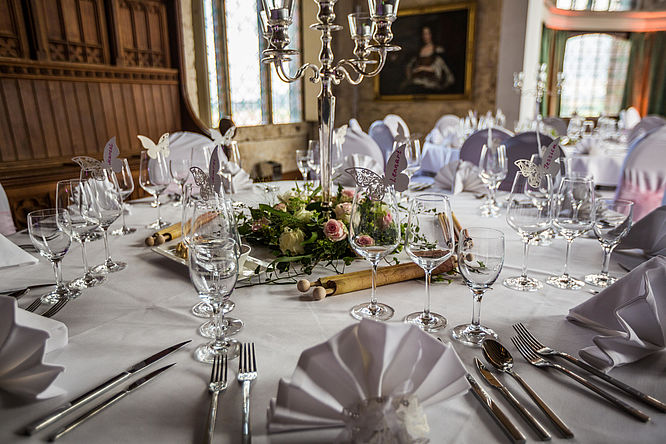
(340, 383)
(240, 179)
(356, 161)
(11, 255)
(648, 234)
(630, 314)
(24, 340)
(435, 136)
(459, 176)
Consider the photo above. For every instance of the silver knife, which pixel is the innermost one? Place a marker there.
(531, 420)
(495, 411)
(95, 410)
(65, 409)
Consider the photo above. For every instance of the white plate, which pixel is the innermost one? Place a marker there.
(167, 250)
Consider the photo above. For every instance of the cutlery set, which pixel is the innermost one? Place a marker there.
(536, 354)
(20, 292)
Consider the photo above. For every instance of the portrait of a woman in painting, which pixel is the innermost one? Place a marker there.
(428, 69)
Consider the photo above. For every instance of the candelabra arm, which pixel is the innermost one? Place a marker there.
(358, 67)
(342, 73)
(285, 77)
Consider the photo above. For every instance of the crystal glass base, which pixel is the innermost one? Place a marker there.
(565, 282)
(159, 224)
(472, 335)
(206, 352)
(490, 210)
(123, 231)
(204, 310)
(426, 322)
(60, 293)
(377, 312)
(87, 281)
(521, 283)
(110, 266)
(600, 280)
(231, 326)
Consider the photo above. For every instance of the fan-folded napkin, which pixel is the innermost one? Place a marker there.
(11, 255)
(24, 340)
(630, 314)
(460, 176)
(648, 234)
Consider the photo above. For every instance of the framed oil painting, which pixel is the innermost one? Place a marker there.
(437, 56)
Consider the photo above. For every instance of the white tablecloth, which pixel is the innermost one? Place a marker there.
(147, 307)
(603, 161)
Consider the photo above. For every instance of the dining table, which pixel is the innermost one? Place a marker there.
(147, 307)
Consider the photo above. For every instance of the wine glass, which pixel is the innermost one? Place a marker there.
(337, 156)
(102, 205)
(302, 163)
(154, 177)
(374, 232)
(612, 222)
(429, 241)
(412, 154)
(213, 265)
(480, 260)
(493, 166)
(180, 171)
(529, 213)
(573, 215)
(70, 196)
(229, 168)
(313, 157)
(48, 233)
(126, 187)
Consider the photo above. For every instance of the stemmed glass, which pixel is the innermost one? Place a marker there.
(48, 233)
(213, 268)
(126, 187)
(429, 241)
(612, 222)
(573, 215)
(232, 153)
(70, 196)
(494, 168)
(374, 232)
(313, 157)
(529, 213)
(412, 154)
(302, 161)
(180, 171)
(102, 205)
(480, 260)
(154, 177)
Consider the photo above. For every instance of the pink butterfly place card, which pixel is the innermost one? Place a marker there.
(209, 183)
(377, 186)
(110, 160)
(550, 165)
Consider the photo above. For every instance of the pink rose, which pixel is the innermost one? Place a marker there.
(387, 220)
(280, 207)
(342, 211)
(259, 224)
(347, 195)
(365, 241)
(335, 230)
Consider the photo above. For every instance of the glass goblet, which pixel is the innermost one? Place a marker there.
(70, 196)
(493, 166)
(48, 233)
(302, 160)
(126, 187)
(412, 154)
(612, 222)
(573, 215)
(374, 232)
(154, 178)
(227, 169)
(529, 213)
(429, 241)
(313, 158)
(213, 266)
(480, 260)
(180, 171)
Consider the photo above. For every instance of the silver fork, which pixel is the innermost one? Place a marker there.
(536, 360)
(543, 350)
(55, 308)
(36, 303)
(247, 372)
(218, 383)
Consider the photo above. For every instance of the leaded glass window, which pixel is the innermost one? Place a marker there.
(595, 5)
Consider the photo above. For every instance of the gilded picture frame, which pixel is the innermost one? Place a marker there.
(437, 57)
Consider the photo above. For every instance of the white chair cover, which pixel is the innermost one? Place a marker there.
(393, 121)
(643, 178)
(645, 126)
(358, 142)
(353, 123)
(6, 222)
(631, 118)
(447, 121)
(381, 134)
(181, 144)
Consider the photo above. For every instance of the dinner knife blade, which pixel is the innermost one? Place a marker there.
(487, 375)
(68, 407)
(99, 408)
(495, 411)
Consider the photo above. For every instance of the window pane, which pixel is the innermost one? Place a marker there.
(211, 62)
(286, 97)
(595, 71)
(595, 5)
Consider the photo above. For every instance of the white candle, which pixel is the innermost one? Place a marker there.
(279, 14)
(366, 30)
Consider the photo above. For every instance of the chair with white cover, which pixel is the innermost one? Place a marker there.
(353, 123)
(471, 148)
(447, 121)
(381, 134)
(394, 122)
(358, 142)
(6, 222)
(559, 125)
(646, 125)
(521, 146)
(643, 178)
(181, 144)
(631, 118)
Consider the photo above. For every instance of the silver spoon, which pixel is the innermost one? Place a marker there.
(499, 357)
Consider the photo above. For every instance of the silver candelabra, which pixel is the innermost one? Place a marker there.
(371, 33)
(541, 88)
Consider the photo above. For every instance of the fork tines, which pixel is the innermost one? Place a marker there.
(528, 337)
(36, 303)
(219, 372)
(55, 308)
(525, 349)
(247, 362)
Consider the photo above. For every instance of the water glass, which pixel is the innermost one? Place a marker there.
(313, 157)
(494, 168)
(429, 242)
(302, 163)
(154, 178)
(612, 222)
(480, 261)
(180, 171)
(374, 232)
(126, 187)
(412, 154)
(227, 169)
(45, 228)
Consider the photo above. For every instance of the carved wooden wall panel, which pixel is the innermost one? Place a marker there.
(13, 41)
(142, 37)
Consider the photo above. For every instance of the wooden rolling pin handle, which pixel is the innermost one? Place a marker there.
(304, 285)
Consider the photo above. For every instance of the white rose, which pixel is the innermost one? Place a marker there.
(292, 241)
(303, 215)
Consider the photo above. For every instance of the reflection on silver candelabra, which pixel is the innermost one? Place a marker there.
(363, 27)
(541, 87)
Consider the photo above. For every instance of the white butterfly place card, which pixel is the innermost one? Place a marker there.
(224, 133)
(377, 186)
(155, 149)
(110, 160)
(550, 165)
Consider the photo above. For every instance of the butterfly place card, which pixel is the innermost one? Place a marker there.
(211, 183)
(550, 165)
(377, 186)
(162, 147)
(223, 134)
(110, 160)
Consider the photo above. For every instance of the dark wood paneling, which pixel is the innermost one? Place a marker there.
(141, 27)
(13, 41)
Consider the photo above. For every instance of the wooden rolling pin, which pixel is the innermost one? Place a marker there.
(362, 280)
(164, 235)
